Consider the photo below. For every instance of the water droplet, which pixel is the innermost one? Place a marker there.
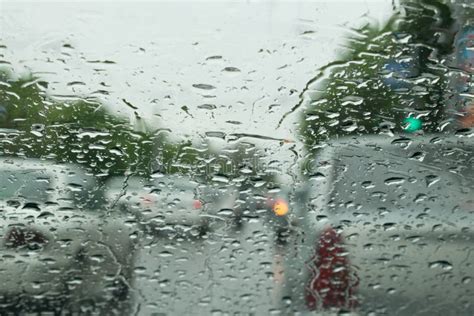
(394, 180)
(203, 86)
(431, 179)
(443, 264)
(231, 69)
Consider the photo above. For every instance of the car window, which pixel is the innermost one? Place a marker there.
(29, 185)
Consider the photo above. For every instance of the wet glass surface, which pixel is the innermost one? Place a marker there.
(236, 158)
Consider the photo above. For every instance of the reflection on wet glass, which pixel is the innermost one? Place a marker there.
(215, 190)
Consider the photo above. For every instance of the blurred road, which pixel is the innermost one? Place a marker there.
(231, 270)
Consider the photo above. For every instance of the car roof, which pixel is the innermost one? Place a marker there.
(46, 166)
(66, 179)
(390, 145)
(356, 168)
(138, 183)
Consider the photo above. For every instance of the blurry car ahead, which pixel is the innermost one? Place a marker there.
(388, 229)
(172, 204)
(277, 204)
(55, 253)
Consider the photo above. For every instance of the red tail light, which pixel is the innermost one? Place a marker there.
(19, 238)
(197, 204)
(147, 200)
(332, 284)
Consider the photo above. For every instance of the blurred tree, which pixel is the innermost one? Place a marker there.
(80, 132)
(83, 132)
(386, 78)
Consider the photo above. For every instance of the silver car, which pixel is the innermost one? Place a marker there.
(55, 253)
(172, 204)
(388, 228)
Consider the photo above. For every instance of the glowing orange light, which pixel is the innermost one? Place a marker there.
(280, 208)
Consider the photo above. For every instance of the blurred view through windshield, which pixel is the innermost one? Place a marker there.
(215, 158)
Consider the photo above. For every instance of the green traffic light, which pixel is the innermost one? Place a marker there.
(412, 124)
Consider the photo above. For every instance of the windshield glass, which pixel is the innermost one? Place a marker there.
(236, 157)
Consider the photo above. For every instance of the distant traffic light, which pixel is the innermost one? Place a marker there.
(412, 124)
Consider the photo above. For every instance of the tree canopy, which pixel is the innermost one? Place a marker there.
(386, 78)
(84, 132)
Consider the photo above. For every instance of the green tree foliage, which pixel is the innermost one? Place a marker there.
(385, 75)
(84, 132)
(80, 132)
